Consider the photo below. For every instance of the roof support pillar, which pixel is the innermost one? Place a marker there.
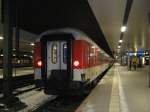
(7, 48)
(7, 51)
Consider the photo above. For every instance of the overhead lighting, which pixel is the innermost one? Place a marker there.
(25, 55)
(1, 38)
(32, 44)
(123, 28)
(116, 57)
(120, 41)
(119, 46)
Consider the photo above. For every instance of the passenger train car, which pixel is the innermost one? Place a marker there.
(23, 60)
(67, 61)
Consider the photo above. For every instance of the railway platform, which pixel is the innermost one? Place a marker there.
(120, 91)
(21, 71)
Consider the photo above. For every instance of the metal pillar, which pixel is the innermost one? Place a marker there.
(9, 99)
(17, 31)
(7, 48)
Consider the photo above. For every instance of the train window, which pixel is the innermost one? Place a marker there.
(65, 53)
(54, 53)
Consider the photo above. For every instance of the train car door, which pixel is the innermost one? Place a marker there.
(57, 59)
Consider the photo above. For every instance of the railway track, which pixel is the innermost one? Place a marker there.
(64, 103)
(34, 100)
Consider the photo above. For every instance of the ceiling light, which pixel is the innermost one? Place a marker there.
(1, 38)
(123, 28)
(119, 46)
(32, 44)
(120, 41)
(116, 57)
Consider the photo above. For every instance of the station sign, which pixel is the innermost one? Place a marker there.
(141, 53)
(138, 53)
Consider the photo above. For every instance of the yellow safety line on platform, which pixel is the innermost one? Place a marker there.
(114, 100)
(123, 102)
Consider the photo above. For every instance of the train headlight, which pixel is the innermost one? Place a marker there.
(76, 63)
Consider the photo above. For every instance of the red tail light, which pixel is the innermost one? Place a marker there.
(76, 63)
(39, 63)
(37, 55)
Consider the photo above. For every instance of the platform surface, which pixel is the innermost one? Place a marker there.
(120, 91)
(19, 71)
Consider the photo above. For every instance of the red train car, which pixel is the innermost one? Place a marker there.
(67, 61)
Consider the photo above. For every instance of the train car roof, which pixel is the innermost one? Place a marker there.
(77, 34)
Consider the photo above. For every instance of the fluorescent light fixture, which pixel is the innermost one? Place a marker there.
(1, 55)
(25, 55)
(123, 28)
(120, 41)
(32, 44)
(119, 46)
(1, 38)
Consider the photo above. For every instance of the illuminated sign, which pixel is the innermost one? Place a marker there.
(139, 53)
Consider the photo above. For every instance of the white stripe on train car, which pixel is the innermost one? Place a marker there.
(77, 74)
(37, 73)
(90, 73)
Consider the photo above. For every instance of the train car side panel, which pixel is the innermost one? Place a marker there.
(81, 55)
(37, 64)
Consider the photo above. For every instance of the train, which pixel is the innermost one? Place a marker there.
(67, 62)
(22, 60)
(22, 64)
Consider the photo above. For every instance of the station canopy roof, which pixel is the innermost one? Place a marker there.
(37, 16)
